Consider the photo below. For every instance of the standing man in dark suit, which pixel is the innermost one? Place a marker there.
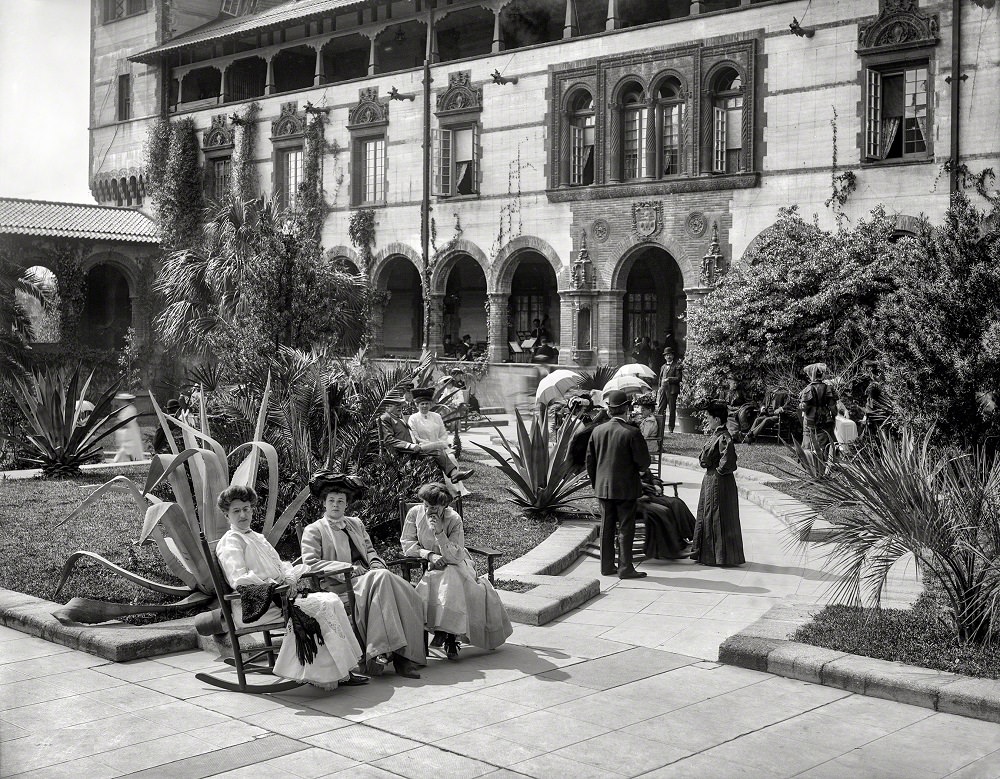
(616, 456)
(671, 376)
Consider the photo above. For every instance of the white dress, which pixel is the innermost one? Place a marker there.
(248, 558)
(431, 429)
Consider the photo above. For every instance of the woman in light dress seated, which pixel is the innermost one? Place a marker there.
(459, 605)
(247, 558)
(427, 427)
(389, 613)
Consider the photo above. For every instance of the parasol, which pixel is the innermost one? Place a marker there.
(636, 369)
(556, 385)
(627, 384)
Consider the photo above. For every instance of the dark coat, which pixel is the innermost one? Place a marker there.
(671, 377)
(616, 455)
(396, 434)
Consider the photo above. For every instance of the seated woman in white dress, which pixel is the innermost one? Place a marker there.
(459, 605)
(247, 558)
(389, 613)
(427, 427)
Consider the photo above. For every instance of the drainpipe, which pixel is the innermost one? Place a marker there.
(956, 87)
(425, 201)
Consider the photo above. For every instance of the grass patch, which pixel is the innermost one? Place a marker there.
(34, 546)
(765, 456)
(513, 586)
(917, 636)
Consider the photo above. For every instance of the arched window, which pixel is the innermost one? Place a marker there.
(727, 122)
(670, 115)
(581, 138)
(633, 134)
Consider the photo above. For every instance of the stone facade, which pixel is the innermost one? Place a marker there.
(507, 106)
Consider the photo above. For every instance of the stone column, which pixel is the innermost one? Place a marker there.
(269, 81)
(497, 326)
(372, 57)
(435, 333)
(615, 143)
(320, 75)
(696, 7)
(570, 27)
(435, 55)
(651, 139)
(498, 45)
(222, 84)
(612, 20)
(610, 327)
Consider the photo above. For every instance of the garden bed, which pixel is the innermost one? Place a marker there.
(35, 544)
(917, 636)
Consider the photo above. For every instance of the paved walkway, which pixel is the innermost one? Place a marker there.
(625, 686)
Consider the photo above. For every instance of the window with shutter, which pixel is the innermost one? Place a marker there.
(124, 97)
(442, 162)
(719, 140)
(873, 130)
(896, 112)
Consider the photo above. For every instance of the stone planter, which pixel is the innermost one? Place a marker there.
(686, 421)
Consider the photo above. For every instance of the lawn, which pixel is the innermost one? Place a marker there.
(763, 456)
(34, 543)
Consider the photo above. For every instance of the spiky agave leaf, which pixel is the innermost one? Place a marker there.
(135, 578)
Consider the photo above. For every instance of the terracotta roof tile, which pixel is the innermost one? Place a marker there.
(75, 220)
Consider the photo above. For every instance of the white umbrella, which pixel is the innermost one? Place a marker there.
(556, 385)
(636, 369)
(627, 384)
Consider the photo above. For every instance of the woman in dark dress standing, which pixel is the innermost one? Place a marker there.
(718, 539)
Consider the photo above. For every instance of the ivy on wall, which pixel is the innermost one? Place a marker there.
(175, 182)
(361, 231)
(310, 206)
(72, 286)
(244, 183)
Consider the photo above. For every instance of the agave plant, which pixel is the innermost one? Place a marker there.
(196, 476)
(901, 496)
(59, 438)
(543, 479)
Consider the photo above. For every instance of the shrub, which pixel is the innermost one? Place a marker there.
(902, 496)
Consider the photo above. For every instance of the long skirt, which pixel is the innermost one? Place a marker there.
(718, 537)
(669, 526)
(390, 616)
(335, 657)
(459, 603)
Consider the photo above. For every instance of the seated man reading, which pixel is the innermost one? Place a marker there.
(395, 433)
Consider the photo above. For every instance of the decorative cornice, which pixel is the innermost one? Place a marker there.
(370, 111)
(220, 135)
(899, 25)
(460, 96)
(291, 123)
(713, 183)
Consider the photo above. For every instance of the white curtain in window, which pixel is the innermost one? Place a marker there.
(890, 127)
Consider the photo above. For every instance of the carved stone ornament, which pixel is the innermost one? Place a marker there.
(370, 110)
(600, 230)
(899, 25)
(290, 123)
(219, 135)
(583, 269)
(713, 264)
(460, 96)
(647, 217)
(697, 224)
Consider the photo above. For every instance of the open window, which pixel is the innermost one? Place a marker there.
(368, 165)
(633, 134)
(670, 117)
(727, 122)
(896, 112)
(124, 97)
(456, 170)
(581, 138)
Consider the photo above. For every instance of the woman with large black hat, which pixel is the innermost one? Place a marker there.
(390, 613)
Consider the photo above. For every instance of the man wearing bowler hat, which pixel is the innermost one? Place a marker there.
(616, 456)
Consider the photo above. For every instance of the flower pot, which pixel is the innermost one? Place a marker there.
(687, 422)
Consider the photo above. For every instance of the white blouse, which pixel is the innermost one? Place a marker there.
(249, 558)
(429, 429)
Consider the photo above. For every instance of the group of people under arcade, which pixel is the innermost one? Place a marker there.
(321, 646)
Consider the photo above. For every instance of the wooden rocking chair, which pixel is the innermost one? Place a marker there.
(257, 659)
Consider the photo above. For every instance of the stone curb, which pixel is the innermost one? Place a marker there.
(555, 595)
(115, 641)
(764, 646)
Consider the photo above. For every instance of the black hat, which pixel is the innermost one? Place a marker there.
(615, 399)
(325, 480)
(423, 393)
(646, 399)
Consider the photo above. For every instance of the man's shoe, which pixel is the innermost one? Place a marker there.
(609, 572)
(354, 680)
(405, 667)
(376, 665)
(460, 474)
(438, 641)
(632, 573)
(451, 647)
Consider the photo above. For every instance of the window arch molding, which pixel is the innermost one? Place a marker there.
(727, 118)
(579, 119)
(670, 94)
(632, 147)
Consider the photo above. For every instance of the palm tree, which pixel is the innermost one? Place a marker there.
(16, 330)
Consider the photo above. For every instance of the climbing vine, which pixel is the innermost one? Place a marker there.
(311, 208)
(361, 230)
(175, 182)
(510, 214)
(244, 170)
(72, 287)
(842, 184)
